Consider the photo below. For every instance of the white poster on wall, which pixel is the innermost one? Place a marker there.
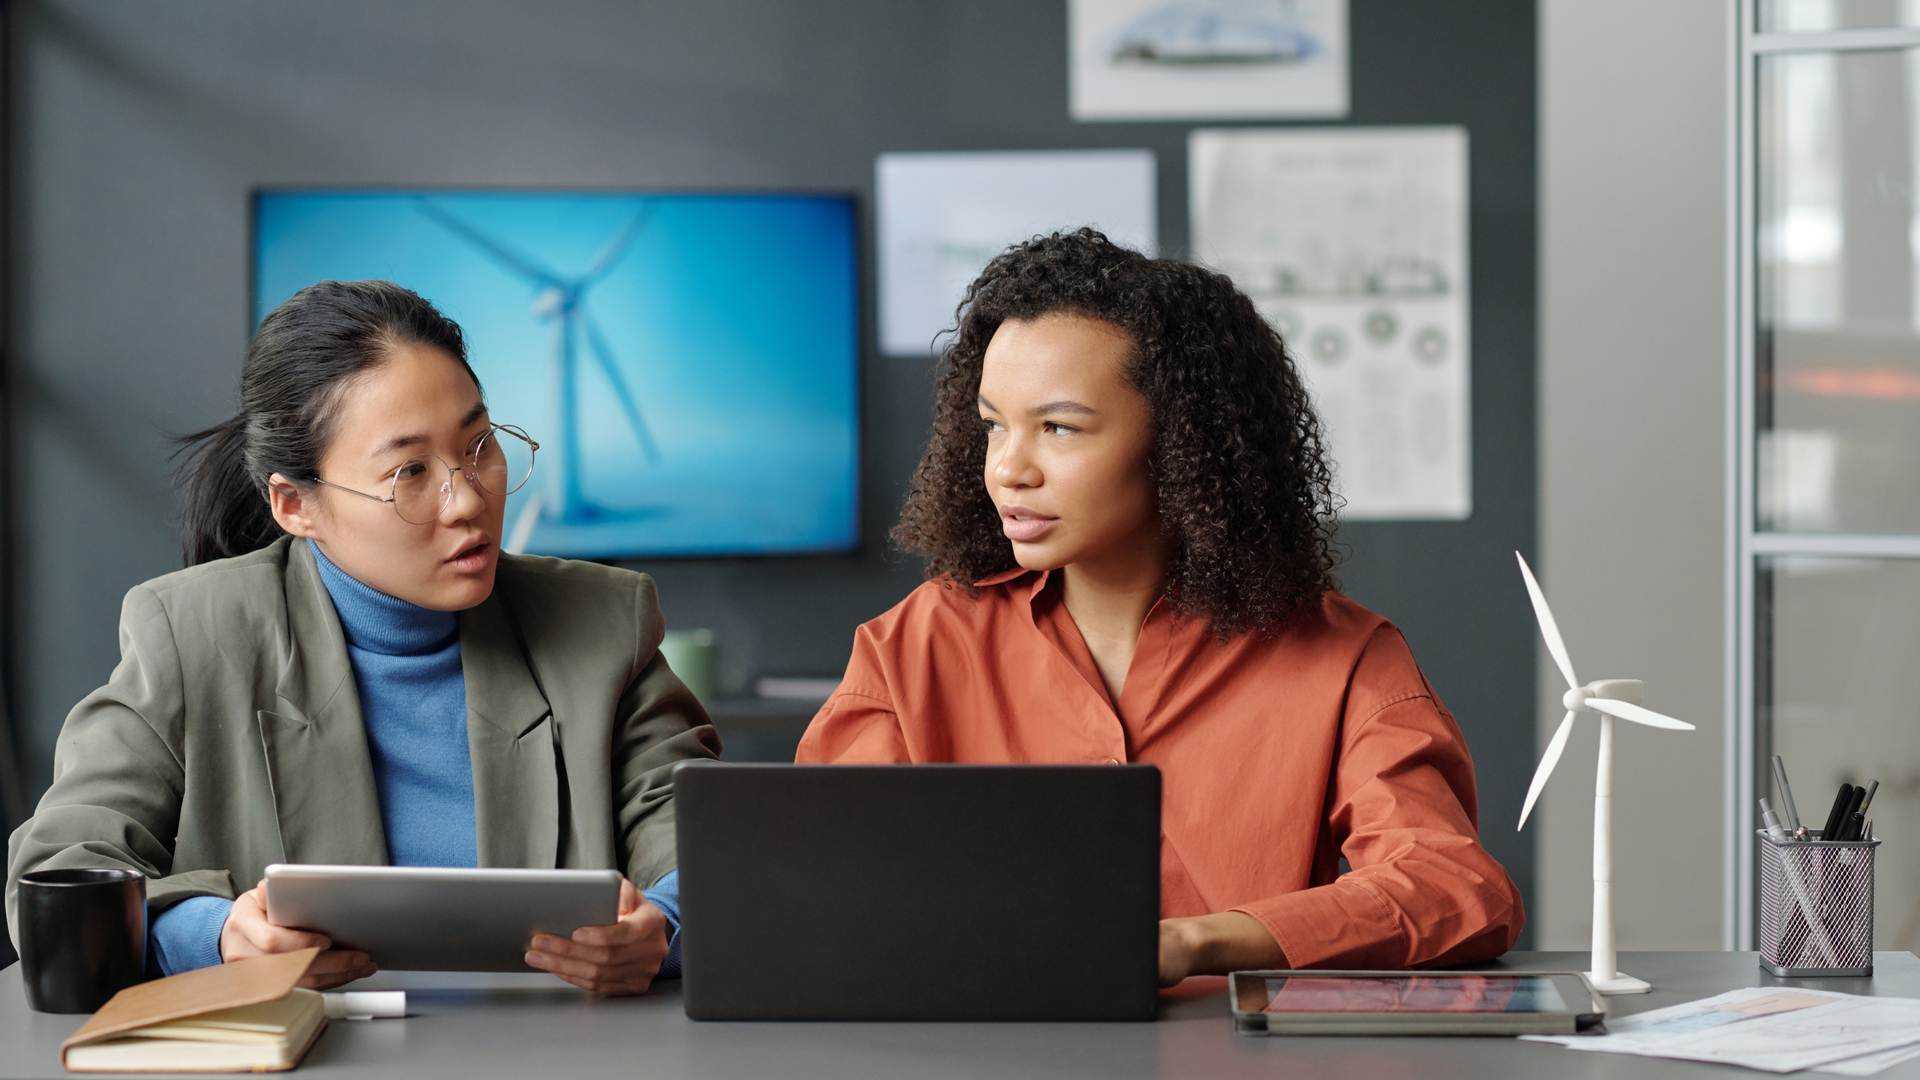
(943, 216)
(1198, 59)
(1353, 243)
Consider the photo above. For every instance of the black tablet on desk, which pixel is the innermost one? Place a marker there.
(919, 892)
(1413, 1003)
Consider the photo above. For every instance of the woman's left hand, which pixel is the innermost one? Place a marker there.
(1215, 945)
(1178, 949)
(621, 958)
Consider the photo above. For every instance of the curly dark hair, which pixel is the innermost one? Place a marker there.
(1240, 472)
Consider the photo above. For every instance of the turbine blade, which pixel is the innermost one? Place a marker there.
(1627, 710)
(514, 261)
(603, 262)
(1548, 628)
(1556, 747)
(604, 355)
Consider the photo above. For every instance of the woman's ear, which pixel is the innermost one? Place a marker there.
(293, 506)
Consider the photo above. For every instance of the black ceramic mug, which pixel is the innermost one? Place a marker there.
(83, 936)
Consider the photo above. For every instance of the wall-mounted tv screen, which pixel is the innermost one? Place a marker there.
(688, 362)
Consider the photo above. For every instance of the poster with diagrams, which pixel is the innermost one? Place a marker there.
(1353, 243)
(942, 216)
(1206, 59)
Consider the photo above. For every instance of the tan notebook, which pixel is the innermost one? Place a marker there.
(246, 1016)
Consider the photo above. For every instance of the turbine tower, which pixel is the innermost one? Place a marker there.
(561, 301)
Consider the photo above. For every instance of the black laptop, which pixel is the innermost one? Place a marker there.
(919, 892)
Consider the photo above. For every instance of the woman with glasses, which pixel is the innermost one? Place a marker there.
(350, 671)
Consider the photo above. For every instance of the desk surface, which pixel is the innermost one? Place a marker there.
(517, 1025)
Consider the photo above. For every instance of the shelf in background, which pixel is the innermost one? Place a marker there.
(761, 729)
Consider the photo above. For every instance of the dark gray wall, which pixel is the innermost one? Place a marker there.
(141, 129)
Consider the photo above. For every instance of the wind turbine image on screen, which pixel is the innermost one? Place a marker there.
(561, 300)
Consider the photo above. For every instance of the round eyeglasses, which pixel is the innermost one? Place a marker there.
(498, 463)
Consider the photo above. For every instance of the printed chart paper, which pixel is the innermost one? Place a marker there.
(1771, 1028)
(1353, 243)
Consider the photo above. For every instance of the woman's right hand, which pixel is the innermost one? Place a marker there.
(248, 933)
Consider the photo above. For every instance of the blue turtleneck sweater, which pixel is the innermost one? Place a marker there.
(413, 700)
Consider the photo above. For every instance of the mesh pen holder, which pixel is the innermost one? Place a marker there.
(1816, 906)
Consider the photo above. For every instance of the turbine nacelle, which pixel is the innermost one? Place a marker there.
(550, 303)
(1627, 690)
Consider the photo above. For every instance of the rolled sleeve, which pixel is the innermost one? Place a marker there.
(1422, 890)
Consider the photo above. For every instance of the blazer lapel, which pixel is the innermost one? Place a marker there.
(315, 741)
(510, 732)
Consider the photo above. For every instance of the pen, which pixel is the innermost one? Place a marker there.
(365, 1004)
(1771, 823)
(1792, 821)
(1836, 817)
(1853, 807)
(1856, 822)
(1872, 787)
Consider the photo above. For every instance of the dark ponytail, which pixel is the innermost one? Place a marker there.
(305, 353)
(225, 513)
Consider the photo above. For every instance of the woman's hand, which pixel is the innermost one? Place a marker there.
(1215, 944)
(621, 958)
(248, 933)
(1179, 950)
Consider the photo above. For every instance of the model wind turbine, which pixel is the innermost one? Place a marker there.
(1610, 699)
(561, 300)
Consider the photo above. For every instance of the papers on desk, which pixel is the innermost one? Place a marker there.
(1775, 1029)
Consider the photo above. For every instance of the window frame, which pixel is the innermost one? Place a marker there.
(1745, 746)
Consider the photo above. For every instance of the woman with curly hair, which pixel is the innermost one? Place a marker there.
(1127, 516)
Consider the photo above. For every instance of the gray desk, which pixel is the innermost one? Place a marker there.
(515, 1025)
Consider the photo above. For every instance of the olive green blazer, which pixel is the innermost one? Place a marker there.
(229, 736)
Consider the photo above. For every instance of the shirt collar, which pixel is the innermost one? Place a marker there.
(1038, 585)
(1040, 579)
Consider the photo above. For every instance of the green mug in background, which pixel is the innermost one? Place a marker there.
(690, 653)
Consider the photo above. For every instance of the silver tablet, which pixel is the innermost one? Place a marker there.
(417, 918)
(1414, 1003)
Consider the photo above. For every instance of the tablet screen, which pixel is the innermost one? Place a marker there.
(1412, 994)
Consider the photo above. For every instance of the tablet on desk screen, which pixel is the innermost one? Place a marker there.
(1413, 1003)
(419, 918)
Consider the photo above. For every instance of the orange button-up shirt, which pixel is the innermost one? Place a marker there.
(1277, 755)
